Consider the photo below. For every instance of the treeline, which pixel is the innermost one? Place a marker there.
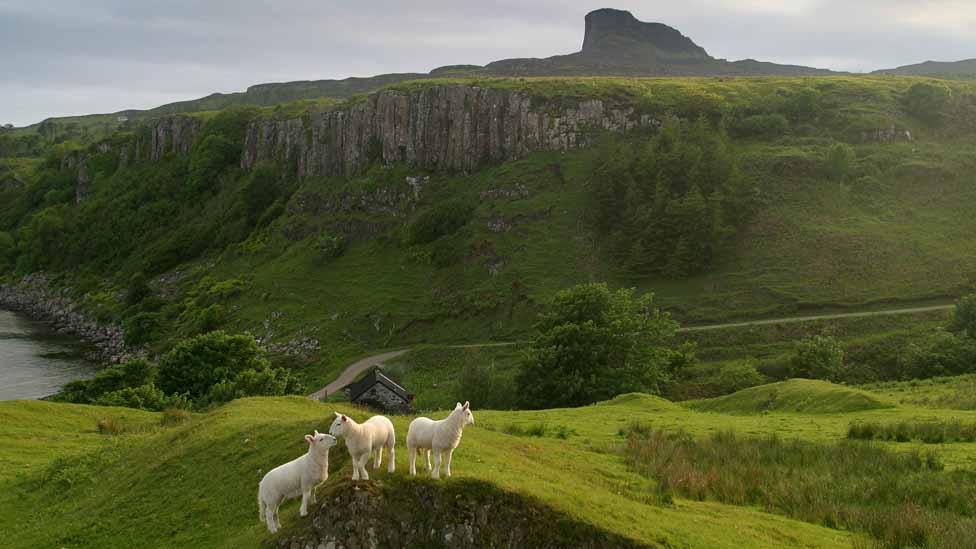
(668, 205)
(146, 217)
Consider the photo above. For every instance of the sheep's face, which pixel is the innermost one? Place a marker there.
(320, 440)
(338, 427)
(465, 410)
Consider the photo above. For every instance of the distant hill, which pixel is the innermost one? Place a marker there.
(957, 70)
(615, 43)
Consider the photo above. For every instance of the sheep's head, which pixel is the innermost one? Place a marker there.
(465, 411)
(320, 440)
(338, 427)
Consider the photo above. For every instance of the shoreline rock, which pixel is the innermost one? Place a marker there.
(33, 297)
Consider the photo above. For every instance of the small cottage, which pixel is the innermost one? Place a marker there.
(377, 390)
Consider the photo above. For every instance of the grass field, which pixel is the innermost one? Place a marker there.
(64, 484)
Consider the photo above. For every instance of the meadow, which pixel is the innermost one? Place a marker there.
(192, 482)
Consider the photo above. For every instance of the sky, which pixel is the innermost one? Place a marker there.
(62, 57)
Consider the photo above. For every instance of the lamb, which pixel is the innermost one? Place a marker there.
(441, 436)
(363, 439)
(299, 476)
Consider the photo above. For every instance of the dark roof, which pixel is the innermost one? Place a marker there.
(373, 377)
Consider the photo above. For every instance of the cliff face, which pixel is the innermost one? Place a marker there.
(457, 128)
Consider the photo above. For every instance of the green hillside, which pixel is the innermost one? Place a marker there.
(337, 260)
(193, 483)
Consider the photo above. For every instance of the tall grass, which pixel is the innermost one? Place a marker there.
(929, 432)
(899, 499)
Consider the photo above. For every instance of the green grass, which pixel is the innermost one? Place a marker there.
(958, 392)
(795, 395)
(192, 483)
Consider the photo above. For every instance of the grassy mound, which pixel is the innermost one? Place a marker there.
(795, 395)
(193, 485)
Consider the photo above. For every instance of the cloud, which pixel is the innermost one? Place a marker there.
(65, 57)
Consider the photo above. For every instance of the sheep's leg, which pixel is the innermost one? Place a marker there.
(303, 510)
(429, 468)
(269, 518)
(379, 458)
(355, 467)
(313, 499)
(447, 462)
(437, 465)
(363, 475)
(412, 455)
(391, 466)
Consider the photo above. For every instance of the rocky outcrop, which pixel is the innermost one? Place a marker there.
(616, 36)
(34, 297)
(419, 513)
(171, 135)
(886, 135)
(446, 127)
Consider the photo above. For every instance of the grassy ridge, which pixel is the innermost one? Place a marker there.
(193, 484)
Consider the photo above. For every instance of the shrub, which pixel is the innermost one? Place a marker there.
(593, 344)
(708, 381)
(837, 163)
(818, 357)
(142, 328)
(217, 367)
(209, 160)
(495, 388)
(134, 373)
(137, 290)
(964, 316)
(260, 190)
(8, 247)
(174, 416)
(761, 125)
(109, 426)
(928, 101)
(330, 246)
(145, 397)
(443, 219)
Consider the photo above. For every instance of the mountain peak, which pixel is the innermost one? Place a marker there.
(616, 35)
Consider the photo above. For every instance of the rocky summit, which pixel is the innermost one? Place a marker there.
(617, 37)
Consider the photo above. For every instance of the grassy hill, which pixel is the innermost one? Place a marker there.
(896, 227)
(193, 483)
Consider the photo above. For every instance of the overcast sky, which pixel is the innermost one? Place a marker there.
(64, 57)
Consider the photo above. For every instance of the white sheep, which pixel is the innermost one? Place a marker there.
(299, 476)
(441, 436)
(363, 439)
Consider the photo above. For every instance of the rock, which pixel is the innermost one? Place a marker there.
(443, 127)
(34, 297)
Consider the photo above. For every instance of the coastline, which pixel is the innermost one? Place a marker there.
(33, 297)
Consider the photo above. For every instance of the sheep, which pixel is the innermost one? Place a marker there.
(299, 476)
(365, 438)
(440, 436)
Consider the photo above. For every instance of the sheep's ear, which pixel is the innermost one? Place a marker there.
(316, 432)
(338, 414)
(466, 405)
(308, 439)
(458, 406)
(344, 419)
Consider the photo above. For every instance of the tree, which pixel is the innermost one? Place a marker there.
(928, 101)
(594, 344)
(838, 161)
(7, 249)
(818, 357)
(138, 289)
(964, 316)
(215, 367)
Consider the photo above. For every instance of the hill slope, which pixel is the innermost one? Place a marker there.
(960, 70)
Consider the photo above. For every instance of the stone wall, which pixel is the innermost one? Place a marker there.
(380, 397)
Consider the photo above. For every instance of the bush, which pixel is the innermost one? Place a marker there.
(837, 163)
(928, 101)
(110, 426)
(443, 219)
(330, 246)
(964, 316)
(137, 290)
(8, 247)
(135, 373)
(761, 125)
(217, 367)
(142, 328)
(145, 397)
(708, 381)
(594, 344)
(818, 357)
(260, 190)
(174, 416)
